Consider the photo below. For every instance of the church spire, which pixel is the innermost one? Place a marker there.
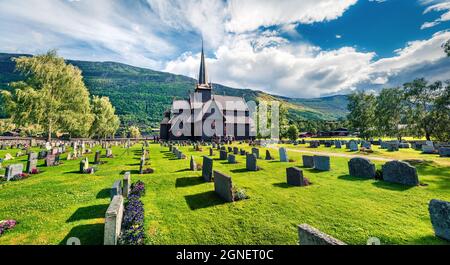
(203, 76)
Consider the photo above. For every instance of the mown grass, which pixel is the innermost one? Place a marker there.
(182, 209)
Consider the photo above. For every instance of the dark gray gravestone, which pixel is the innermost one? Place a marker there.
(223, 155)
(31, 165)
(235, 150)
(231, 159)
(308, 161)
(361, 167)
(338, 144)
(401, 173)
(440, 218)
(192, 164)
(242, 152)
(255, 151)
(322, 163)
(13, 170)
(251, 162)
(97, 157)
(116, 189)
(230, 149)
(223, 186)
(207, 169)
(141, 166)
(211, 152)
(268, 155)
(294, 176)
(444, 151)
(308, 235)
(353, 146)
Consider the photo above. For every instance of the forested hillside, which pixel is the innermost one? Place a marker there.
(141, 95)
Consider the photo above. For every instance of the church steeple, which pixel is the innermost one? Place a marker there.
(203, 75)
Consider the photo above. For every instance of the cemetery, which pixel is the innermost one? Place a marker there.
(320, 195)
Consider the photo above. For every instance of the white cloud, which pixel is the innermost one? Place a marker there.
(249, 15)
(437, 6)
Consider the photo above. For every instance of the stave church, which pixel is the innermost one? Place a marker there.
(205, 116)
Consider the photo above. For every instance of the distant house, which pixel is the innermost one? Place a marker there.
(306, 134)
(193, 114)
(337, 132)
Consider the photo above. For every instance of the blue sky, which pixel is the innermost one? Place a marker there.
(296, 48)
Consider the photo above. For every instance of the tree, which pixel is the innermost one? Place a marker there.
(362, 113)
(390, 112)
(53, 96)
(106, 122)
(284, 121)
(441, 115)
(446, 47)
(293, 133)
(134, 132)
(421, 105)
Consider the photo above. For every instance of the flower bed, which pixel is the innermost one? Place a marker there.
(7, 225)
(133, 218)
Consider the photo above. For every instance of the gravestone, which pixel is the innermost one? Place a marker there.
(338, 144)
(84, 165)
(328, 144)
(440, 218)
(8, 157)
(116, 189)
(283, 155)
(251, 162)
(126, 184)
(113, 221)
(403, 145)
(391, 147)
(353, 146)
(141, 165)
(444, 151)
(308, 161)
(268, 155)
(13, 170)
(255, 151)
(97, 157)
(322, 163)
(50, 160)
(308, 235)
(361, 167)
(314, 144)
(223, 155)
(192, 164)
(428, 149)
(231, 159)
(235, 150)
(223, 186)
(32, 163)
(109, 153)
(207, 169)
(294, 177)
(230, 149)
(366, 145)
(242, 152)
(211, 152)
(401, 173)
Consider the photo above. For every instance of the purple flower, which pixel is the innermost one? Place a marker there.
(7, 225)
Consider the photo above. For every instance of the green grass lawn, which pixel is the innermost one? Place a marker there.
(182, 209)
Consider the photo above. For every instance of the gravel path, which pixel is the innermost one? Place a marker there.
(335, 154)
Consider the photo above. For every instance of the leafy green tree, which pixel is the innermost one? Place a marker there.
(390, 111)
(293, 133)
(106, 122)
(134, 132)
(284, 121)
(52, 96)
(441, 115)
(421, 105)
(361, 106)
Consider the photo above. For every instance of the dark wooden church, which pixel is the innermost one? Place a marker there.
(205, 116)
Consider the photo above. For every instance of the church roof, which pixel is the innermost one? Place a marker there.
(203, 75)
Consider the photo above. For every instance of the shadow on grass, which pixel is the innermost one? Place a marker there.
(103, 194)
(203, 200)
(283, 185)
(134, 164)
(188, 181)
(72, 172)
(240, 170)
(89, 212)
(183, 170)
(90, 235)
(391, 186)
(432, 240)
(352, 178)
(132, 171)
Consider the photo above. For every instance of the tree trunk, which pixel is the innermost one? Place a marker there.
(49, 136)
(427, 135)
